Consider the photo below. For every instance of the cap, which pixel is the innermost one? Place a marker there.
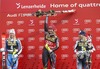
(12, 31)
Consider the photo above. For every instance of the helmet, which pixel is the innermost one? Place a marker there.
(82, 33)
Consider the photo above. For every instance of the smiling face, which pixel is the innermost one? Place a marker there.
(82, 37)
(11, 35)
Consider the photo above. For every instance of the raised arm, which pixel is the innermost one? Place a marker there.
(46, 25)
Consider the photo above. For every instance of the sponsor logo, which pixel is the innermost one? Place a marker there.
(40, 56)
(64, 39)
(30, 56)
(87, 21)
(75, 30)
(31, 23)
(76, 22)
(64, 56)
(75, 38)
(9, 23)
(31, 39)
(41, 22)
(64, 21)
(64, 47)
(20, 31)
(41, 30)
(21, 38)
(98, 47)
(64, 30)
(20, 6)
(41, 39)
(31, 47)
(88, 29)
(53, 21)
(20, 22)
(98, 56)
(31, 30)
(98, 30)
(21, 56)
(97, 38)
(41, 47)
(97, 21)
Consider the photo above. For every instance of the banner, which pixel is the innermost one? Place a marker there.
(30, 30)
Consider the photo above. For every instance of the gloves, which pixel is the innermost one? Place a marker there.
(15, 56)
(2, 49)
(90, 51)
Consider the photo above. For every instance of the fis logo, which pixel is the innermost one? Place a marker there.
(9, 23)
(76, 22)
(31, 23)
(18, 5)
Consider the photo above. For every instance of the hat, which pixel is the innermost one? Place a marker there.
(82, 33)
(12, 31)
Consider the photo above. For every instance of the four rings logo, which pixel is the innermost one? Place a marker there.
(64, 30)
(64, 56)
(31, 47)
(20, 22)
(64, 39)
(30, 39)
(75, 30)
(64, 21)
(20, 31)
(41, 39)
(64, 47)
(30, 56)
(97, 30)
(97, 21)
(41, 22)
(88, 29)
(53, 21)
(87, 21)
(9, 23)
(31, 30)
